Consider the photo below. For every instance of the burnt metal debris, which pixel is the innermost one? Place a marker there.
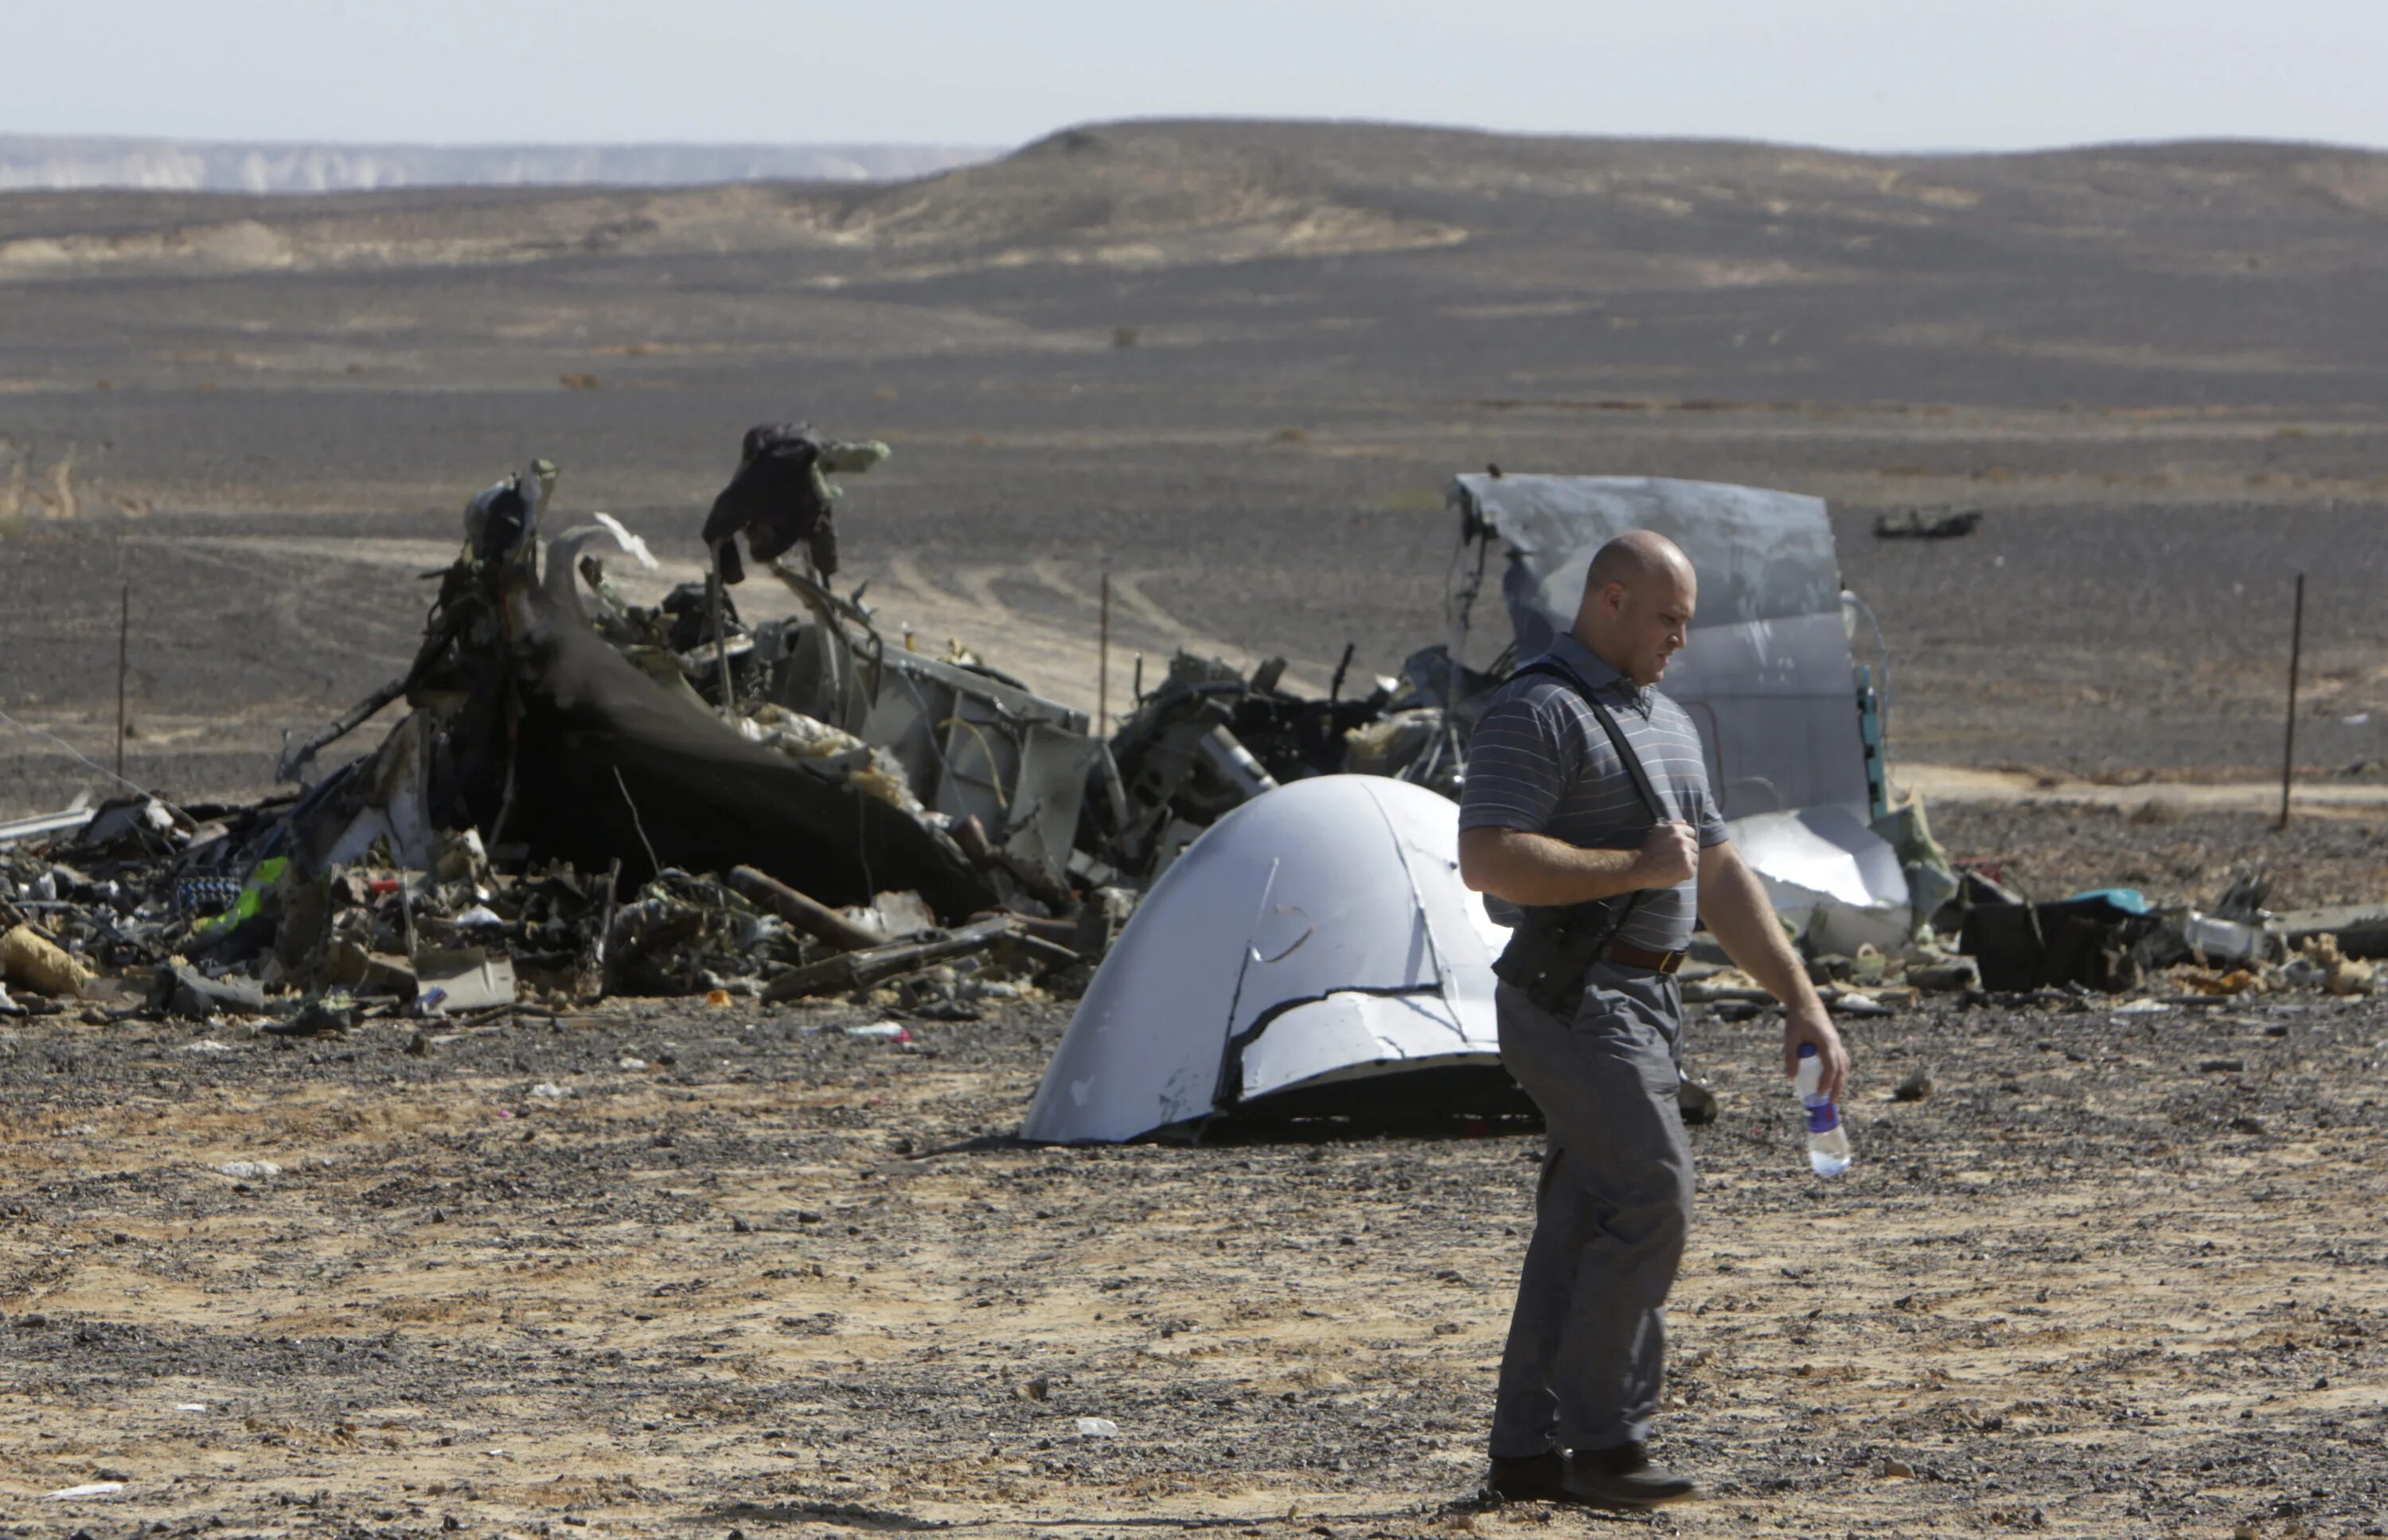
(781, 495)
(586, 796)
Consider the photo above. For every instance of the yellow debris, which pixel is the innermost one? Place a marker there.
(41, 965)
(2341, 975)
(2236, 981)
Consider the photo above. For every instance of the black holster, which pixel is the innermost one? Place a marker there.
(1551, 949)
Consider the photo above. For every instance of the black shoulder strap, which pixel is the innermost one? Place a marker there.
(1631, 761)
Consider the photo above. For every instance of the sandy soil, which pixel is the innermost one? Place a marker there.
(2149, 797)
(2174, 854)
(2120, 1275)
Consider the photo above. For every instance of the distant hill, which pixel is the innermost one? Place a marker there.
(190, 166)
(1566, 270)
(1548, 215)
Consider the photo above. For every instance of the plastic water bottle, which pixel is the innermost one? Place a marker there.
(1828, 1143)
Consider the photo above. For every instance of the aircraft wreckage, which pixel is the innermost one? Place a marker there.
(602, 796)
(1319, 938)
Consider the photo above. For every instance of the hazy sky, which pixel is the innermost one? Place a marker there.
(1866, 74)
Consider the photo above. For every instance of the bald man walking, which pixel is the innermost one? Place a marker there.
(1554, 816)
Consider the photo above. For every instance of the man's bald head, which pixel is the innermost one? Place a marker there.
(1638, 600)
(1635, 558)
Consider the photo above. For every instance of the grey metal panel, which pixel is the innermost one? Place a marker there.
(1776, 705)
(1055, 765)
(972, 746)
(1766, 672)
(44, 824)
(1761, 555)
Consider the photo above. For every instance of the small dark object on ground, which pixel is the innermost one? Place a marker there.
(181, 990)
(1928, 524)
(318, 1018)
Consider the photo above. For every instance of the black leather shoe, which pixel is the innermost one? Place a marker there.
(1622, 1477)
(1528, 1479)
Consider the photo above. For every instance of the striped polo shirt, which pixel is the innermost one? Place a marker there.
(1541, 763)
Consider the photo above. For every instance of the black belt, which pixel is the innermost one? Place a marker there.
(1643, 957)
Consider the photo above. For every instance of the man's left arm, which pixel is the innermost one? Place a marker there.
(1734, 907)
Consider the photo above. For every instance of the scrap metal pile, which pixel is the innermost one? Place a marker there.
(589, 796)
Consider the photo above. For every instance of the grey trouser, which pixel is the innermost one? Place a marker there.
(1587, 1341)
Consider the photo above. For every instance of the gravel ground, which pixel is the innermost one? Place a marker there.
(2055, 850)
(2119, 1275)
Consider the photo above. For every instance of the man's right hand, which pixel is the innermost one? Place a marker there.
(1669, 856)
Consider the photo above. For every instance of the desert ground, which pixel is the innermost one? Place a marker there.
(2121, 1274)
(738, 1273)
(2158, 370)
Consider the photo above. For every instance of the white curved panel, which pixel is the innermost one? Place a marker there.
(1322, 923)
(1328, 1040)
